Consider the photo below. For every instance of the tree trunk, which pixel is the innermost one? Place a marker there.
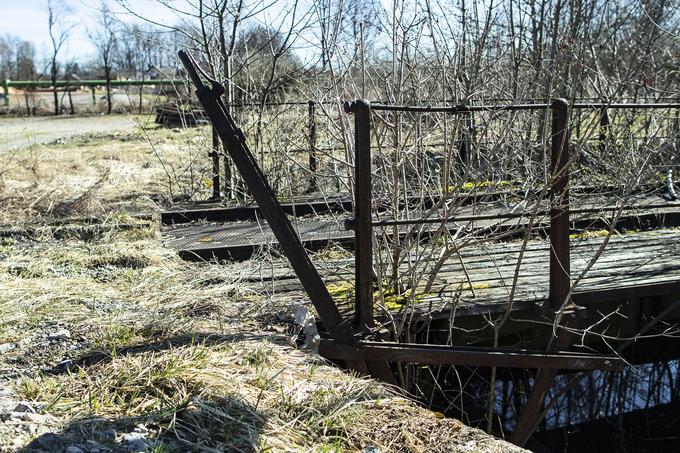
(54, 87)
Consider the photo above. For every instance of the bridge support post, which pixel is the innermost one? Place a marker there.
(560, 282)
(363, 196)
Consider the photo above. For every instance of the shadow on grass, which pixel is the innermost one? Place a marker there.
(98, 356)
(222, 424)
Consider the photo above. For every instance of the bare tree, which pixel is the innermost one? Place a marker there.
(59, 31)
(104, 38)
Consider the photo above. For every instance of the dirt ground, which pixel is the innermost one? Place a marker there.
(24, 132)
(109, 342)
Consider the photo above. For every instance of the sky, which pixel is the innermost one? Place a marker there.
(27, 19)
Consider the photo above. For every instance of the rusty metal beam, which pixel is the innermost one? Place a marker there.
(235, 142)
(560, 282)
(468, 356)
(560, 267)
(458, 109)
(363, 229)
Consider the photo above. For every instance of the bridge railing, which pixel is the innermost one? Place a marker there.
(558, 164)
(363, 222)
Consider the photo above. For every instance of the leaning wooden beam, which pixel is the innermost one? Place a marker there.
(235, 142)
(467, 356)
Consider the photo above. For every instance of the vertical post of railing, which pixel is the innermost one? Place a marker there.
(215, 155)
(559, 266)
(559, 209)
(313, 185)
(604, 129)
(363, 232)
(465, 149)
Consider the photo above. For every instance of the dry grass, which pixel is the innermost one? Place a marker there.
(181, 348)
(103, 175)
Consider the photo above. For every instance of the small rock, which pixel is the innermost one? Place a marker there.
(6, 347)
(371, 449)
(135, 441)
(61, 334)
(6, 392)
(74, 449)
(31, 417)
(23, 406)
(94, 447)
(108, 436)
(64, 365)
(48, 441)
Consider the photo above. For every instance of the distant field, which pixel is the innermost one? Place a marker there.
(42, 102)
(23, 132)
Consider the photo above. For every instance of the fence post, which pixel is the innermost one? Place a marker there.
(313, 184)
(215, 155)
(559, 209)
(363, 230)
(5, 91)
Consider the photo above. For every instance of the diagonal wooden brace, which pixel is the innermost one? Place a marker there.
(235, 142)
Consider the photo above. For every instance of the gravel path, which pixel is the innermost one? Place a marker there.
(19, 133)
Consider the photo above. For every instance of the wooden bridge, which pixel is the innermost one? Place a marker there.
(553, 298)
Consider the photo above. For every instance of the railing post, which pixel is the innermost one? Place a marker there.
(465, 149)
(604, 129)
(363, 230)
(313, 184)
(215, 155)
(560, 282)
(559, 209)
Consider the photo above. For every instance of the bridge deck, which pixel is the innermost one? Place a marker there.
(239, 240)
(479, 279)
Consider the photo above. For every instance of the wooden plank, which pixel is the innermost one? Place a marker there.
(215, 212)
